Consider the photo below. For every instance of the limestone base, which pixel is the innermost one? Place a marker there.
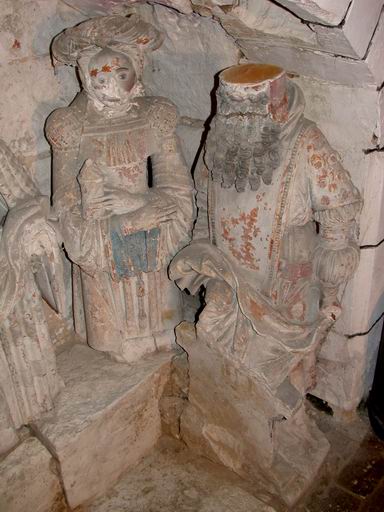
(29, 480)
(232, 418)
(106, 418)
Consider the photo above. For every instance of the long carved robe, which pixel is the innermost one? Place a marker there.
(280, 276)
(29, 255)
(131, 307)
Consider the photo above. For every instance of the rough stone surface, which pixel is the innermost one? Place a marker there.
(226, 420)
(371, 225)
(363, 298)
(194, 51)
(346, 368)
(27, 31)
(349, 54)
(105, 420)
(347, 116)
(175, 395)
(174, 479)
(353, 37)
(327, 12)
(29, 480)
(190, 134)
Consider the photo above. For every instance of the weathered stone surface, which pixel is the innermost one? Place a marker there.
(267, 33)
(27, 27)
(346, 368)
(375, 53)
(353, 37)
(371, 225)
(106, 418)
(173, 478)
(269, 18)
(190, 134)
(101, 7)
(347, 116)
(29, 480)
(363, 300)
(226, 420)
(194, 50)
(25, 109)
(327, 12)
(174, 395)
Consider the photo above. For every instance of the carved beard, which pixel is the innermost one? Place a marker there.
(243, 148)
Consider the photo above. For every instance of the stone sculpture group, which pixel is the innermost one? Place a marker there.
(273, 245)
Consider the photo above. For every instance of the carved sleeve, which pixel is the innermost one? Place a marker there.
(81, 240)
(336, 203)
(171, 175)
(63, 131)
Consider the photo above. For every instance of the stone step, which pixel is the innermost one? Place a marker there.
(105, 420)
(174, 479)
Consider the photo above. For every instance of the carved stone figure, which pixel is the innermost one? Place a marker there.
(31, 269)
(274, 245)
(122, 191)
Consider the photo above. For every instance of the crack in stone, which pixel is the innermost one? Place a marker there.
(371, 246)
(351, 336)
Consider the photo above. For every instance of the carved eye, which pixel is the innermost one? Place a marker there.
(101, 80)
(123, 76)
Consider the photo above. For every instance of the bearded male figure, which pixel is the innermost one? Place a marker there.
(122, 219)
(274, 245)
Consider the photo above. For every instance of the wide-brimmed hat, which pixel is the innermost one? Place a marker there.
(126, 34)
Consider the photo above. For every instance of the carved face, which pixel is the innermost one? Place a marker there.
(112, 77)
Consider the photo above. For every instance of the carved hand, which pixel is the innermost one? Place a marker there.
(116, 202)
(152, 215)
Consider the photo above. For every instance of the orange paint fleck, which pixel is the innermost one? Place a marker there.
(256, 309)
(142, 40)
(94, 72)
(241, 246)
(106, 68)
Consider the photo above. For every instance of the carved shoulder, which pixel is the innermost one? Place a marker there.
(163, 115)
(63, 128)
(331, 184)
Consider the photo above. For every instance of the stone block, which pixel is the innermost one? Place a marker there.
(347, 116)
(353, 37)
(106, 418)
(270, 19)
(194, 50)
(327, 12)
(29, 480)
(374, 60)
(174, 479)
(93, 8)
(346, 368)
(298, 60)
(28, 26)
(190, 137)
(372, 215)
(25, 109)
(363, 301)
(232, 418)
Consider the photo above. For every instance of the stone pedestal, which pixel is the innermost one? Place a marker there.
(231, 417)
(29, 480)
(106, 418)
